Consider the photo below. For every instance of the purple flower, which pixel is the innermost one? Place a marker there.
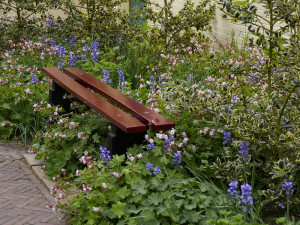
(152, 171)
(83, 56)
(151, 147)
(73, 60)
(95, 54)
(227, 138)
(105, 154)
(168, 143)
(244, 150)
(106, 76)
(281, 205)
(52, 42)
(121, 76)
(246, 199)
(177, 158)
(49, 22)
(95, 44)
(156, 171)
(189, 76)
(34, 79)
(152, 80)
(71, 43)
(232, 191)
(60, 65)
(287, 187)
(62, 52)
(149, 166)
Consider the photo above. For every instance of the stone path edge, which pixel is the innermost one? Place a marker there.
(36, 167)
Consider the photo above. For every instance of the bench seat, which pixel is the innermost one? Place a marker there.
(121, 119)
(138, 110)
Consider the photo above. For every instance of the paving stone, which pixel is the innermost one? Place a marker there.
(23, 198)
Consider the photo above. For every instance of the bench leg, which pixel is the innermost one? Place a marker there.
(56, 95)
(119, 141)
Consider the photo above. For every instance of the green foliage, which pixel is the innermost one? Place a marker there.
(23, 19)
(182, 28)
(68, 139)
(126, 193)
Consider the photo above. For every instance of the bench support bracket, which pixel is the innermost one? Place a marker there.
(119, 141)
(56, 97)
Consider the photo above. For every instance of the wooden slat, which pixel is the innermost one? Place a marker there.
(141, 112)
(124, 121)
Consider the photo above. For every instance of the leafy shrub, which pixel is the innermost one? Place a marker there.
(148, 188)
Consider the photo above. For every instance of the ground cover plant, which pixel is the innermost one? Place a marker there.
(233, 157)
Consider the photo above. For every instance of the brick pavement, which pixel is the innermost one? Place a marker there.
(23, 198)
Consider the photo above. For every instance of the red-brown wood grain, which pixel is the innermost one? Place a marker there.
(124, 121)
(141, 112)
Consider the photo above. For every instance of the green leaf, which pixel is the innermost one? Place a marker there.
(154, 199)
(123, 192)
(118, 209)
(96, 138)
(140, 187)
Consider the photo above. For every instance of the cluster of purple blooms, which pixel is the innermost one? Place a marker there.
(73, 60)
(168, 143)
(71, 43)
(244, 152)
(106, 76)
(177, 158)
(105, 154)
(227, 138)
(62, 52)
(52, 42)
(153, 171)
(34, 79)
(288, 188)
(189, 76)
(121, 76)
(60, 65)
(246, 200)
(95, 50)
(49, 22)
(152, 80)
(150, 147)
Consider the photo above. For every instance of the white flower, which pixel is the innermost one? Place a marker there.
(130, 158)
(96, 209)
(156, 110)
(104, 185)
(27, 91)
(77, 173)
(168, 107)
(212, 132)
(115, 174)
(185, 140)
(140, 155)
(172, 132)
(151, 141)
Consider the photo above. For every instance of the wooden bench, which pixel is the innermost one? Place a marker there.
(126, 130)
